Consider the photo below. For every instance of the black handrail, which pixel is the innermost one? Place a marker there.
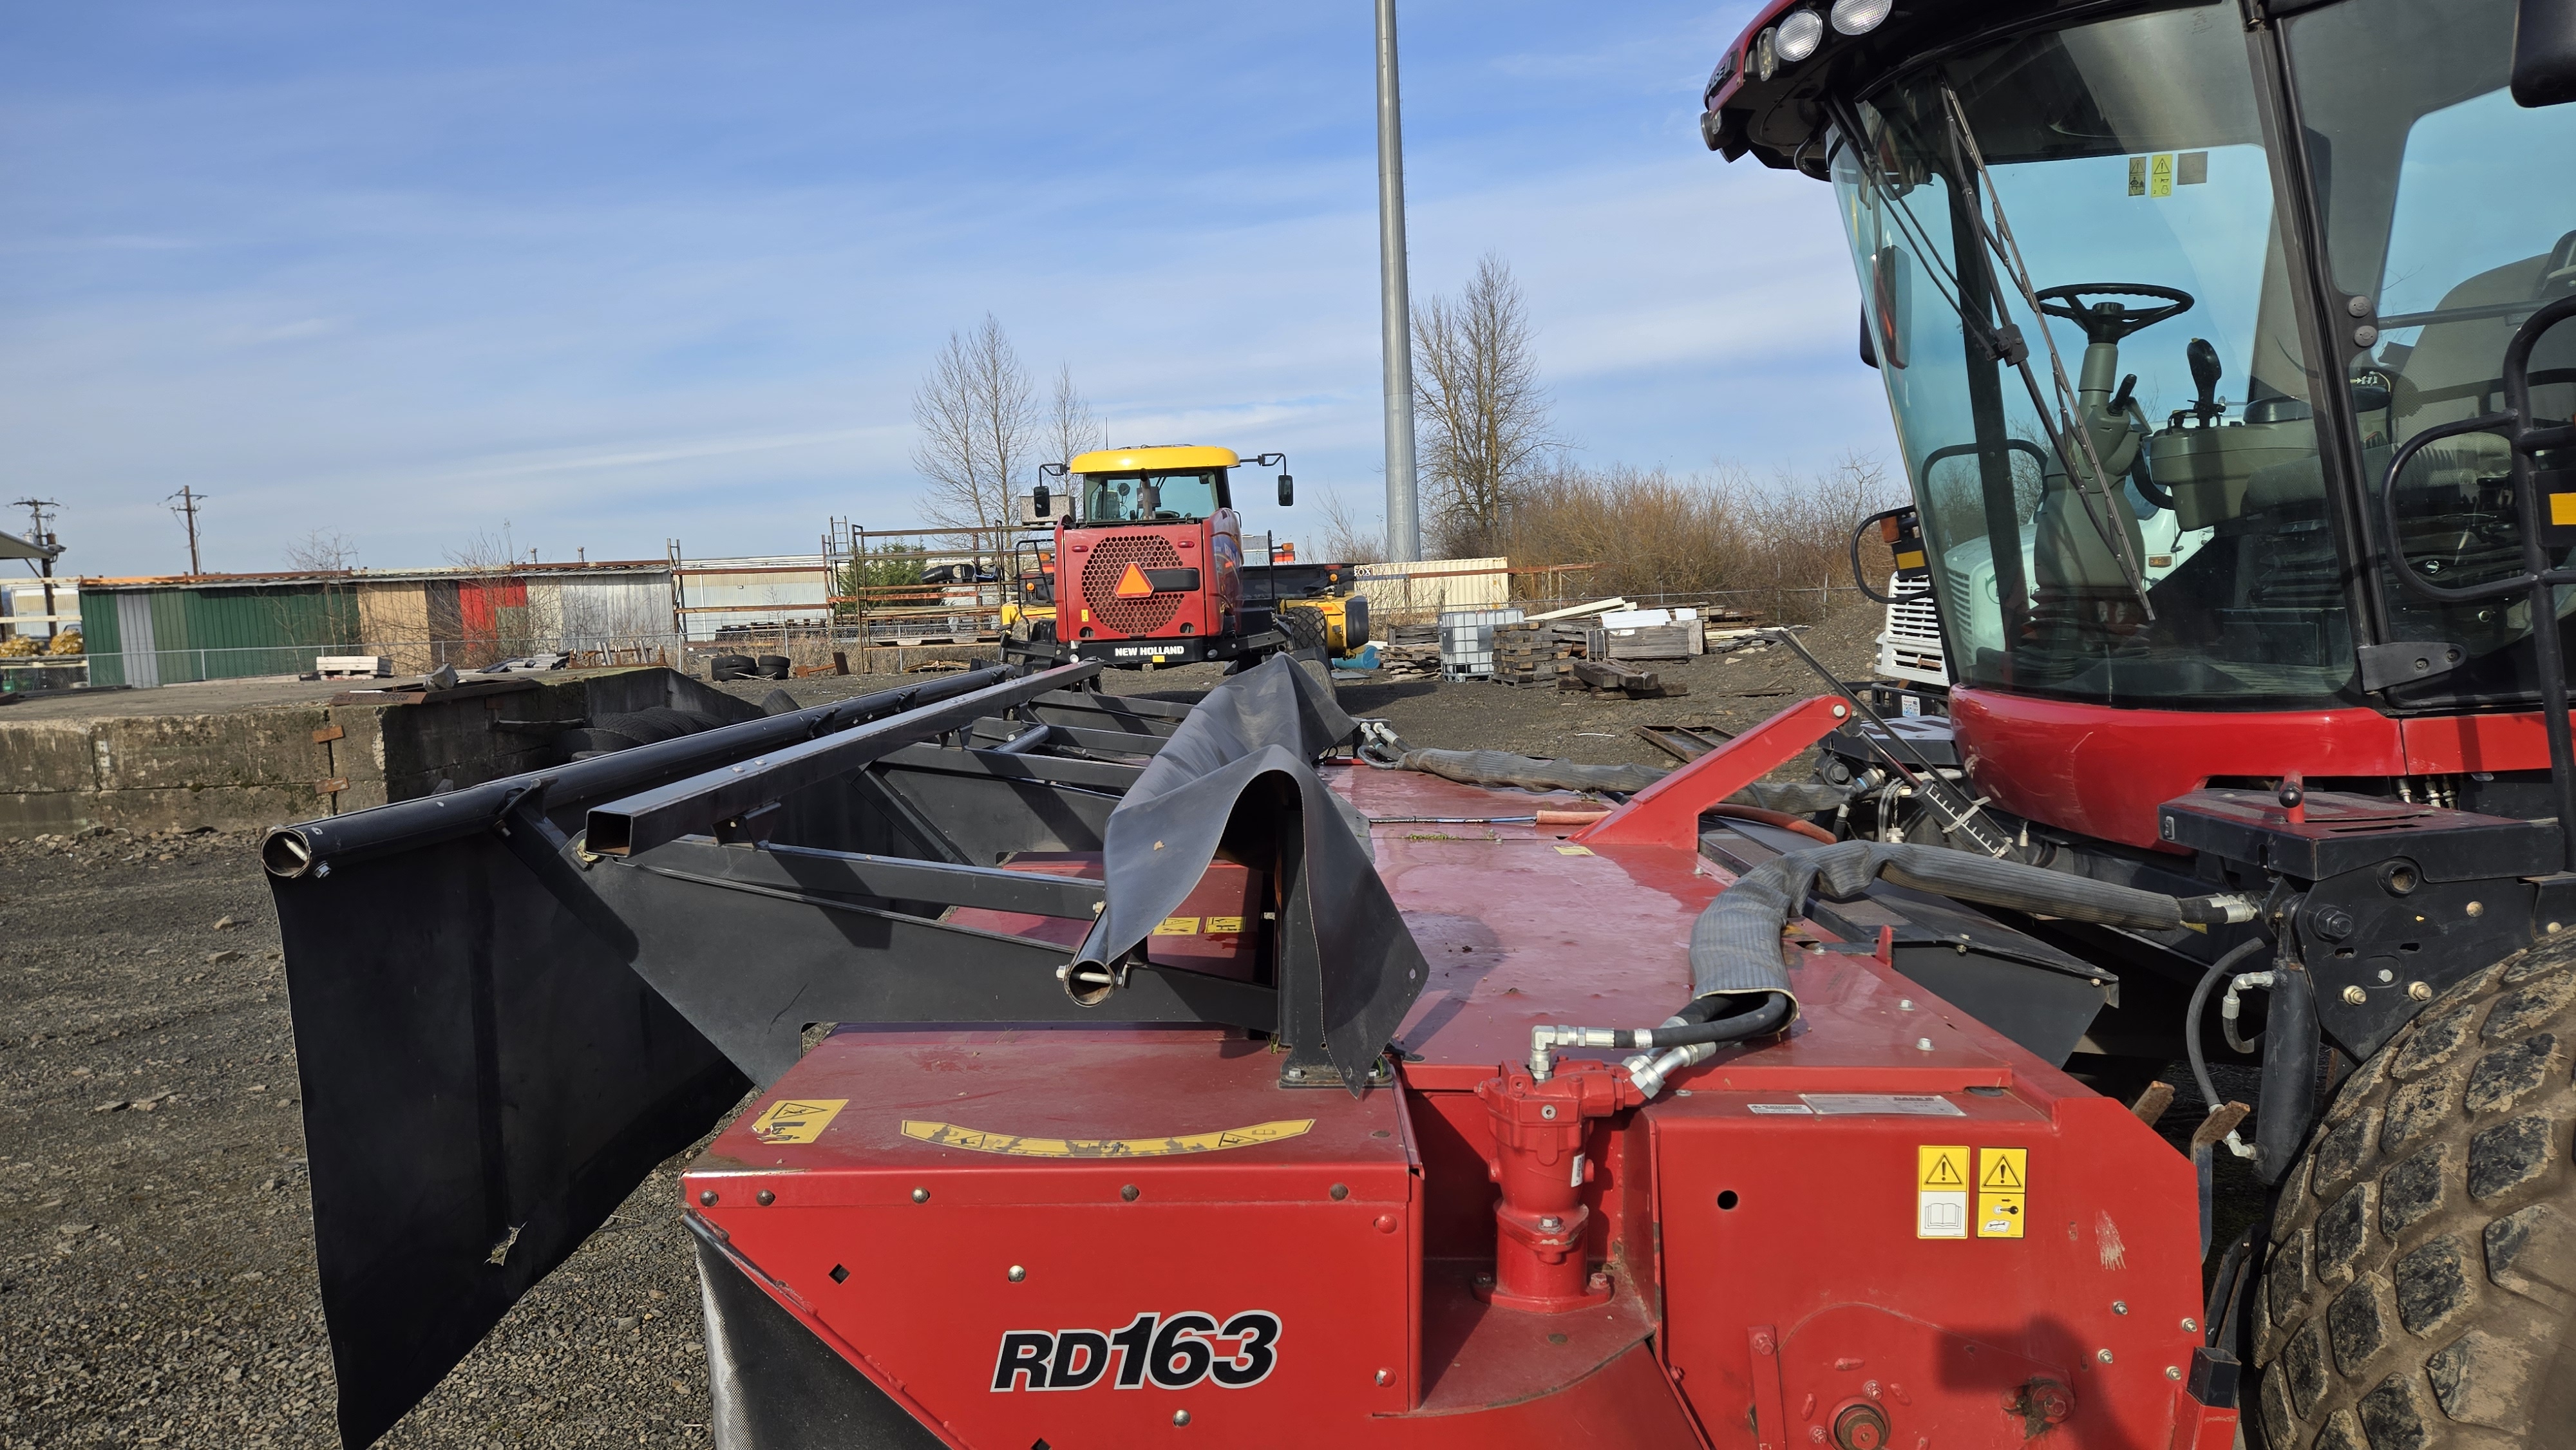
(2538, 579)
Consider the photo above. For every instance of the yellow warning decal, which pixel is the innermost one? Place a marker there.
(2160, 174)
(1574, 850)
(2562, 508)
(1910, 559)
(1225, 926)
(1941, 1191)
(796, 1120)
(949, 1135)
(2137, 176)
(1177, 926)
(2003, 1176)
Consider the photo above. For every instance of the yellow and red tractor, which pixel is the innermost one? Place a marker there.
(1143, 563)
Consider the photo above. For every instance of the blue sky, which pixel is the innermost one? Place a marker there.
(618, 273)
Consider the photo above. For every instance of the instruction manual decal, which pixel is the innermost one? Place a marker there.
(1941, 1191)
(975, 1140)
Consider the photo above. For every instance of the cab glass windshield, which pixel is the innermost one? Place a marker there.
(2442, 237)
(2123, 491)
(1127, 498)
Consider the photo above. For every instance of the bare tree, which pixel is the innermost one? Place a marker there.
(323, 551)
(980, 430)
(1349, 538)
(1483, 410)
(1072, 428)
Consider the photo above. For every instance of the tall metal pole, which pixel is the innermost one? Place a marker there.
(1403, 509)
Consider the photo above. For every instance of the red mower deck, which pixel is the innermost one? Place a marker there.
(1891, 1227)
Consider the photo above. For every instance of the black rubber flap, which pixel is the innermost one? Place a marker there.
(1237, 775)
(484, 1081)
(774, 1385)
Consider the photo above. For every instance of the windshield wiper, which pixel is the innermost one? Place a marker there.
(2102, 503)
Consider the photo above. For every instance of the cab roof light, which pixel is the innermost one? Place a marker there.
(1801, 31)
(1860, 17)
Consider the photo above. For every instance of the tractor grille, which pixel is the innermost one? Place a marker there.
(1109, 559)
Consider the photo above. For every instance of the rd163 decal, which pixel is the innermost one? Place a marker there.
(1171, 1352)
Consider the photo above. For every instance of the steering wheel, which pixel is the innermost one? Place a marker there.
(2108, 321)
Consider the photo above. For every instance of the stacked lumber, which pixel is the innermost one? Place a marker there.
(1645, 642)
(1533, 654)
(1408, 661)
(1618, 677)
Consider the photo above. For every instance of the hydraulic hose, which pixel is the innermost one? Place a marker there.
(1735, 943)
(1782, 819)
(2219, 969)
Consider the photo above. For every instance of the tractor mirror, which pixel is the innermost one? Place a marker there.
(1287, 491)
(1891, 296)
(2544, 53)
(1040, 502)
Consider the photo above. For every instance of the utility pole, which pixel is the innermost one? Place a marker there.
(42, 537)
(188, 501)
(1403, 508)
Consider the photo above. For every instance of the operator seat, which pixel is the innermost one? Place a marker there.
(2082, 606)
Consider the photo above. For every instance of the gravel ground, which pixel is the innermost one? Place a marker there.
(156, 1281)
(156, 1245)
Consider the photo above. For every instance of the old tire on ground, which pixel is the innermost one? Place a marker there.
(1304, 626)
(2422, 1279)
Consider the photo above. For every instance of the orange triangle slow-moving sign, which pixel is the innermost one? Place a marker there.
(1132, 583)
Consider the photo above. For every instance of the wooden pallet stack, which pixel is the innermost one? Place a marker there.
(1618, 677)
(1533, 654)
(1409, 652)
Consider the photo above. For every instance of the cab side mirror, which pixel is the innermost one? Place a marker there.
(1042, 503)
(2544, 53)
(1287, 491)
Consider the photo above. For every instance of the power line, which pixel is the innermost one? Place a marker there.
(187, 508)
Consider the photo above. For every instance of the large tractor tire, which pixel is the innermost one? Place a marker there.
(2421, 1290)
(1304, 626)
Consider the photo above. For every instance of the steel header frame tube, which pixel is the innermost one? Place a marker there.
(693, 806)
(313, 847)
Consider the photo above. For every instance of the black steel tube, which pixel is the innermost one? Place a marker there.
(311, 846)
(695, 804)
(2289, 1101)
(1024, 742)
